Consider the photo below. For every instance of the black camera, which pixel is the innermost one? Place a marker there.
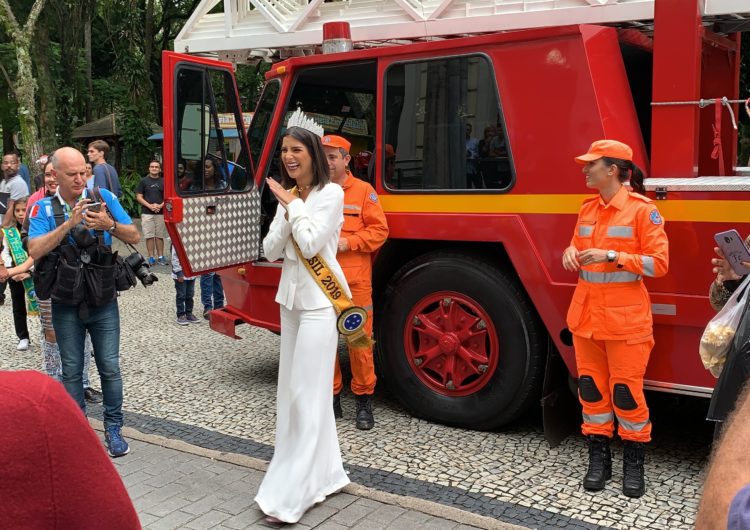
(140, 268)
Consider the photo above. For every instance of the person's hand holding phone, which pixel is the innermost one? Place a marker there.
(96, 217)
(723, 269)
(734, 256)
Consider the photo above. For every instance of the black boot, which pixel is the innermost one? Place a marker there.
(365, 419)
(633, 458)
(337, 412)
(600, 463)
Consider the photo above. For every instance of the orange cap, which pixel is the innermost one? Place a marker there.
(608, 148)
(331, 140)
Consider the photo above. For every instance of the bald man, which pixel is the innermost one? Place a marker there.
(70, 322)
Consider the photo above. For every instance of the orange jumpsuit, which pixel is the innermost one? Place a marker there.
(365, 229)
(610, 313)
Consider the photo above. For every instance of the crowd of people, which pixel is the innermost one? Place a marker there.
(326, 228)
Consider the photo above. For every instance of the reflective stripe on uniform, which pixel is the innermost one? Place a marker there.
(619, 231)
(352, 207)
(585, 230)
(632, 426)
(608, 277)
(648, 265)
(598, 419)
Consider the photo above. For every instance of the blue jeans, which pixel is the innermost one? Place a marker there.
(103, 324)
(185, 291)
(212, 292)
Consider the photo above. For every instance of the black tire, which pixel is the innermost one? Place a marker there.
(514, 384)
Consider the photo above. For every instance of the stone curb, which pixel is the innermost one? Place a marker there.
(410, 503)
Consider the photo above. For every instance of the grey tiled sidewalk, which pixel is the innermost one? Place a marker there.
(175, 485)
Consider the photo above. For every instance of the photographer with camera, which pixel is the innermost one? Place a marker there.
(70, 239)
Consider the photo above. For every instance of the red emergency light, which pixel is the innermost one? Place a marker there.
(337, 37)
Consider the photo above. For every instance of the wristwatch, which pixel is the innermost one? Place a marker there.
(114, 227)
(611, 256)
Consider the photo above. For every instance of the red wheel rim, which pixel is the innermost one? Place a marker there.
(451, 343)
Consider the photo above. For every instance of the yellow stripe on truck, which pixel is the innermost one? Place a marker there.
(718, 211)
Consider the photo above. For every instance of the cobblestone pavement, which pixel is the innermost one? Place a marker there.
(191, 384)
(175, 485)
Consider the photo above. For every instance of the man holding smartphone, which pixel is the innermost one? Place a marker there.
(66, 219)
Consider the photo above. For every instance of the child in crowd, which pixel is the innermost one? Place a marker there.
(185, 289)
(18, 264)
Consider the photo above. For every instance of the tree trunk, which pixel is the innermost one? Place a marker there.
(25, 91)
(25, 85)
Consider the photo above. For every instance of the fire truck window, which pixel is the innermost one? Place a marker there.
(342, 99)
(211, 157)
(262, 118)
(443, 127)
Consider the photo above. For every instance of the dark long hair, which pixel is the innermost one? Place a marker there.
(317, 155)
(628, 171)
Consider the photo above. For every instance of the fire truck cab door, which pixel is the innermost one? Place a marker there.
(212, 203)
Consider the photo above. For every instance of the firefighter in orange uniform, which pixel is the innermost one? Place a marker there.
(364, 231)
(619, 239)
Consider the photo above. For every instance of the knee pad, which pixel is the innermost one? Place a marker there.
(588, 390)
(623, 399)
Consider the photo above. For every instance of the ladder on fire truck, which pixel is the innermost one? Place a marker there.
(245, 30)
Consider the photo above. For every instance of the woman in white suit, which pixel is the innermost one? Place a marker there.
(306, 465)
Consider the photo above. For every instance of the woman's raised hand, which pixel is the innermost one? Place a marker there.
(284, 197)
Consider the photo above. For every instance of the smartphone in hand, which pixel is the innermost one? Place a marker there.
(734, 249)
(93, 206)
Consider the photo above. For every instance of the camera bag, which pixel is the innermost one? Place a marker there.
(124, 275)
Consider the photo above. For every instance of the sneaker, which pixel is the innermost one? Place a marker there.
(192, 319)
(151, 260)
(116, 444)
(92, 395)
(206, 312)
(23, 345)
(182, 320)
(162, 260)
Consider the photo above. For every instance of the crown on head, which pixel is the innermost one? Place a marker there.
(300, 119)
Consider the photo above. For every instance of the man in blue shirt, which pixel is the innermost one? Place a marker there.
(105, 175)
(70, 321)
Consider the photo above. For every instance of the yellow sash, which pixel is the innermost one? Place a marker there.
(351, 318)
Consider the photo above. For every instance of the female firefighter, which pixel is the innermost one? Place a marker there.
(306, 465)
(619, 238)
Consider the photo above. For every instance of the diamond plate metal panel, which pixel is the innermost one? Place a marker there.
(228, 237)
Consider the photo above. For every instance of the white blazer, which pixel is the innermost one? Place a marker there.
(315, 225)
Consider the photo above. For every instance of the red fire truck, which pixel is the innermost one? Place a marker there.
(470, 115)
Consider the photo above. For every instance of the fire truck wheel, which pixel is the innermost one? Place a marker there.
(459, 342)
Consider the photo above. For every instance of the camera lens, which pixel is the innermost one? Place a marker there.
(727, 239)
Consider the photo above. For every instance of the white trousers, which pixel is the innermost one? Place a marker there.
(306, 465)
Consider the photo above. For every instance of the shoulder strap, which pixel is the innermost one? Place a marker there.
(59, 215)
(96, 192)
